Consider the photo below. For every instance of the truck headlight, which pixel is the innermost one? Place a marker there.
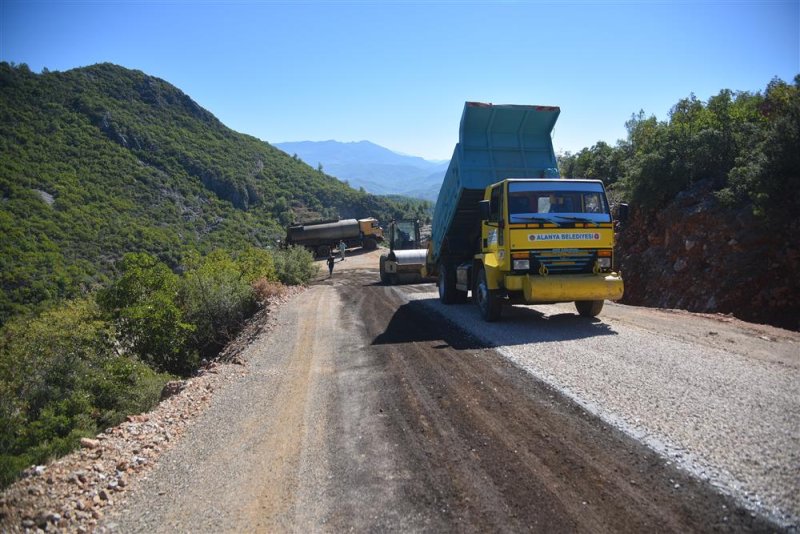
(604, 263)
(521, 265)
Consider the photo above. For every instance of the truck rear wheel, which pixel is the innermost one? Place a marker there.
(323, 251)
(489, 302)
(448, 294)
(589, 308)
(370, 243)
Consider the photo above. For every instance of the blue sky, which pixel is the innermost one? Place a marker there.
(398, 73)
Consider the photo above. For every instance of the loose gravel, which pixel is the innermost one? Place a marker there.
(715, 396)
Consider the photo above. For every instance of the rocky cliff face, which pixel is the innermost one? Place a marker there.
(699, 256)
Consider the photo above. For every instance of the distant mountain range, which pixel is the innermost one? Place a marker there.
(375, 168)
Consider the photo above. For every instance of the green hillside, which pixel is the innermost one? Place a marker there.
(102, 160)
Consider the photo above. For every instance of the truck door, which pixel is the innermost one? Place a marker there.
(493, 232)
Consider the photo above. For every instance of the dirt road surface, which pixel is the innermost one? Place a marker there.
(366, 411)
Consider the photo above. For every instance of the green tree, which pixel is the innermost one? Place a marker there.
(600, 162)
(700, 142)
(769, 173)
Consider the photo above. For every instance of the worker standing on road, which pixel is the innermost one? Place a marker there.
(331, 261)
(342, 248)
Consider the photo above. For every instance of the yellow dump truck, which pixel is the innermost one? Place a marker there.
(509, 230)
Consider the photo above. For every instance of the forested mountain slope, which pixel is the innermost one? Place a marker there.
(102, 160)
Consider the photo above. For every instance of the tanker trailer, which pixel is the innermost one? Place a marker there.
(322, 236)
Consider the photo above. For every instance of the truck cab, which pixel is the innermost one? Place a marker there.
(543, 241)
(371, 231)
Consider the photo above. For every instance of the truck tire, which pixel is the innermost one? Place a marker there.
(323, 251)
(589, 308)
(384, 275)
(447, 284)
(461, 297)
(489, 302)
(370, 243)
(448, 294)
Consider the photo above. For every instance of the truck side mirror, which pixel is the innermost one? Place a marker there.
(622, 213)
(484, 210)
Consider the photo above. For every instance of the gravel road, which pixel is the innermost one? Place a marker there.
(714, 395)
(364, 410)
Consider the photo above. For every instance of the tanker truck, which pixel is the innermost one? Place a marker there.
(322, 236)
(509, 230)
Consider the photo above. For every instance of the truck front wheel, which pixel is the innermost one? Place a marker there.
(488, 301)
(589, 308)
(370, 243)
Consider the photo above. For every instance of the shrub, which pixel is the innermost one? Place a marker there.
(60, 380)
(124, 386)
(43, 359)
(150, 323)
(266, 291)
(255, 264)
(295, 266)
(82, 367)
(217, 298)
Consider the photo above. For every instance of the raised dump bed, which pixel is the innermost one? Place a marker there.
(495, 142)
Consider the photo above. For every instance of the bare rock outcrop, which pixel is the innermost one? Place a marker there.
(699, 256)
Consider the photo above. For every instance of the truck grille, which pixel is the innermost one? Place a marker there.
(563, 261)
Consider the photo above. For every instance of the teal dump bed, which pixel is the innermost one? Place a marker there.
(495, 142)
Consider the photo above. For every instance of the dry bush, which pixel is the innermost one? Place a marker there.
(267, 291)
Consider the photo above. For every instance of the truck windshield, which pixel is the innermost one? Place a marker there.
(558, 200)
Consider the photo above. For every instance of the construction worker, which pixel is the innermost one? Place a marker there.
(342, 248)
(331, 261)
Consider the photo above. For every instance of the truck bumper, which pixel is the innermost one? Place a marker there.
(566, 288)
